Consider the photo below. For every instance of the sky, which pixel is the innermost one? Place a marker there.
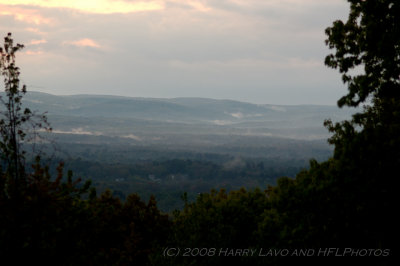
(258, 51)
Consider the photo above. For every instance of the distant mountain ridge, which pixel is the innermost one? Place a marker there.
(94, 126)
(188, 110)
(148, 119)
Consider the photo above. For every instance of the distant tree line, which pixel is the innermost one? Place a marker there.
(167, 180)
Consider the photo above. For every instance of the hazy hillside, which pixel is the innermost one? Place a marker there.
(166, 147)
(149, 118)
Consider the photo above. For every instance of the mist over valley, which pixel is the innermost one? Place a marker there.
(170, 146)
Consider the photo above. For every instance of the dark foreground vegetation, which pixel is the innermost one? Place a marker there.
(168, 180)
(347, 201)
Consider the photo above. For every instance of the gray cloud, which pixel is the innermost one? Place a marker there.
(258, 51)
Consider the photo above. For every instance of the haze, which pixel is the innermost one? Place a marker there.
(268, 51)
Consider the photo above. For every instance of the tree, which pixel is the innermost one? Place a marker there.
(368, 41)
(220, 221)
(15, 120)
(53, 218)
(35, 208)
(350, 199)
(367, 148)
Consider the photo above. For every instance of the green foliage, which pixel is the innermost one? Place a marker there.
(15, 121)
(367, 151)
(13, 117)
(45, 214)
(53, 215)
(166, 180)
(368, 40)
(53, 218)
(346, 201)
(224, 219)
(218, 220)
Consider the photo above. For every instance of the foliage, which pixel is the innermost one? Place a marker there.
(367, 151)
(348, 200)
(369, 42)
(53, 218)
(15, 121)
(166, 180)
(54, 215)
(13, 117)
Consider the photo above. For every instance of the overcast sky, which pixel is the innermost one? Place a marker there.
(259, 51)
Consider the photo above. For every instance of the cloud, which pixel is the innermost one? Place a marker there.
(86, 42)
(30, 52)
(37, 42)
(35, 31)
(92, 6)
(189, 4)
(26, 15)
(258, 51)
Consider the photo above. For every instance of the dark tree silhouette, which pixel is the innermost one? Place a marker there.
(348, 200)
(369, 41)
(15, 121)
(55, 218)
